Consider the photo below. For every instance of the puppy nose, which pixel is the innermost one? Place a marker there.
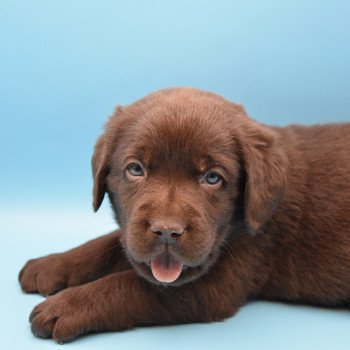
(167, 232)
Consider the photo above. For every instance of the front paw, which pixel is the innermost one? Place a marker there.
(65, 316)
(45, 275)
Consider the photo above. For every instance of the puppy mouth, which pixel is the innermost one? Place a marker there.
(165, 268)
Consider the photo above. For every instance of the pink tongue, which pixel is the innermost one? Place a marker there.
(165, 268)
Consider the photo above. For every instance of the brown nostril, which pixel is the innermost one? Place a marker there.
(161, 231)
(176, 235)
(157, 233)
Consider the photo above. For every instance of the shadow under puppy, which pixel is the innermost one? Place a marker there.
(213, 208)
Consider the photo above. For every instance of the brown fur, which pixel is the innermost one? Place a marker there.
(276, 227)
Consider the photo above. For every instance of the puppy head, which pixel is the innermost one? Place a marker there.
(183, 168)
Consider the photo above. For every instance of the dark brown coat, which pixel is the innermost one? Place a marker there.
(211, 204)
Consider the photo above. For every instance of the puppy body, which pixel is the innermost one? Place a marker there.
(310, 229)
(237, 210)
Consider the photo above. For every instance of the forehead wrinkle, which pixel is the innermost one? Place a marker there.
(161, 160)
(178, 134)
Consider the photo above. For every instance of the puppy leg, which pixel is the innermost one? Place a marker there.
(94, 259)
(124, 300)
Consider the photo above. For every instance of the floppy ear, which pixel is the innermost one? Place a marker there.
(265, 168)
(99, 171)
(102, 156)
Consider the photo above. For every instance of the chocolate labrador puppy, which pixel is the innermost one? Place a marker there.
(213, 208)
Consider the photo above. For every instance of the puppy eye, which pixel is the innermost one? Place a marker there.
(135, 169)
(212, 178)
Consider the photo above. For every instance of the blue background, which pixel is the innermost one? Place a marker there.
(64, 65)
